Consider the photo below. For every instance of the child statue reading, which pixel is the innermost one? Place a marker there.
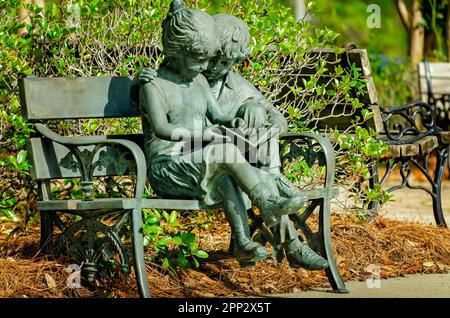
(177, 106)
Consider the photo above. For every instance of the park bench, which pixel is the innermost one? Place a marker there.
(54, 156)
(434, 87)
(410, 131)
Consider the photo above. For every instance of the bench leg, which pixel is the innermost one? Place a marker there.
(435, 181)
(45, 193)
(46, 229)
(138, 249)
(373, 205)
(448, 161)
(421, 163)
(318, 241)
(321, 241)
(334, 277)
(442, 158)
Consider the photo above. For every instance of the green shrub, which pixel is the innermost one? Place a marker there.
(172, 244)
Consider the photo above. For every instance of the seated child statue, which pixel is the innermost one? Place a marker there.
(176, 107)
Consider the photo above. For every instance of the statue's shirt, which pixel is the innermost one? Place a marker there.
(185, 105)
(234, 92)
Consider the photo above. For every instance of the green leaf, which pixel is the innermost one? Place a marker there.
(188, 238)
(10, 215)
(156, 212)
(182, 261)
(146, 240)
(202, 254)
(154, 229)
(165, 240)
(151, 219)
(166, 216)
(196, 263)
(176, 240)
(173, 217)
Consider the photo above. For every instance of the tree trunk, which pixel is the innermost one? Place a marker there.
(299, 9)
(412, 21)
(24, 16)
(404, 14)
(416, 35)
(447, 30)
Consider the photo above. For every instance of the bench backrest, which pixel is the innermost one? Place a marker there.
(341, 116)
(75, 98)
(434, 86)
(45, 99)
(434, 79)
(108, 97)
(399, 125)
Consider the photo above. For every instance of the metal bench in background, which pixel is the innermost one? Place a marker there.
(434, 87)
(410, 131)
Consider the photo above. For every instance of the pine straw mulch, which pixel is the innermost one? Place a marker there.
(397, 247)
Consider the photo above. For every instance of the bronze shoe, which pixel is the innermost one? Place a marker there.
(300, 255)
(286, 188)
(275, 206)
(248, 252)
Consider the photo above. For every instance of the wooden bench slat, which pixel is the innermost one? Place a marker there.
(439, 75)
(68, 205)
(439, 86)
(420, 147)
(172, 204)
(155, 203)
(444, 137)
(437, 69)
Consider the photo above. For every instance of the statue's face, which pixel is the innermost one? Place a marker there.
(218, 66)
(190, 65)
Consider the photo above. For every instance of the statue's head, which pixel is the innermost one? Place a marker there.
(189, 39)
(234, 38)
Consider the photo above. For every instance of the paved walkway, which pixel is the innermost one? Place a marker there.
(416, 205)
(410, 205)
(412, 286)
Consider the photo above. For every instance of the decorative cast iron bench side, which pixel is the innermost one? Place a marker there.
(410, 132)
(58, 157)
(318, 150)
(86, 166)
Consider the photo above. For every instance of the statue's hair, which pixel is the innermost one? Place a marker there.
(234, 36)
(187, 30)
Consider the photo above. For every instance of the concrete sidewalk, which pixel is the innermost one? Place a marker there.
(407, 205)
(412, 286)
(416, 205)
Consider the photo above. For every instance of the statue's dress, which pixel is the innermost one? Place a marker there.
(182, 169)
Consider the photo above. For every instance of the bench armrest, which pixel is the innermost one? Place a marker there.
(401, 126)
(327, 148)
(76, 141)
